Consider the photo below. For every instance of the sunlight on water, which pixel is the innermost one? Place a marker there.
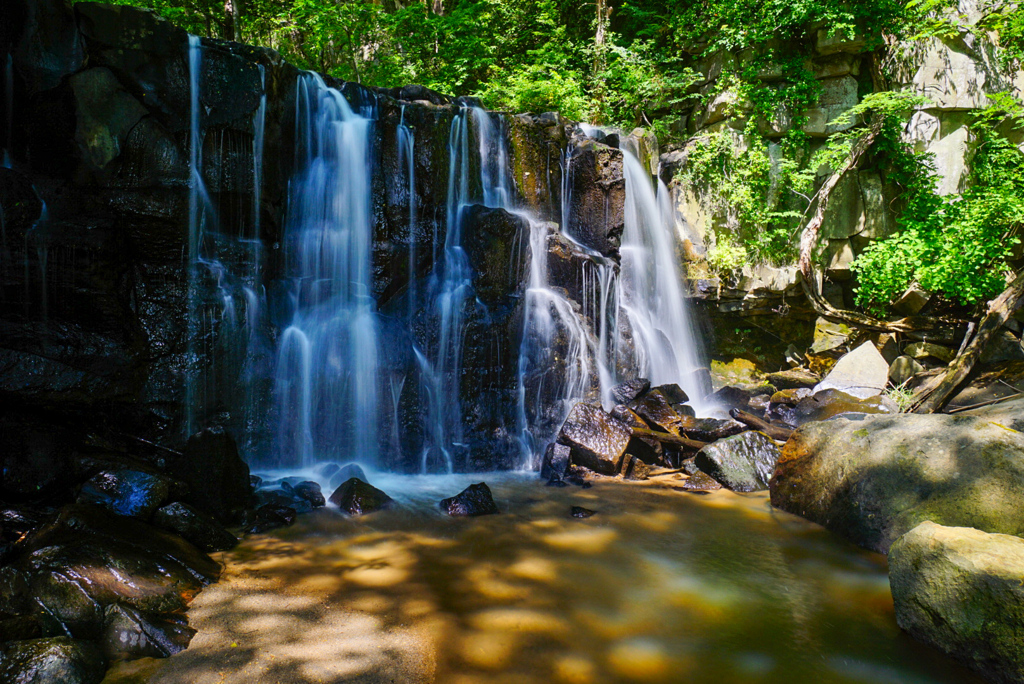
(724, 589)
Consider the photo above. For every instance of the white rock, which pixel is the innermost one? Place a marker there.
(862, 373)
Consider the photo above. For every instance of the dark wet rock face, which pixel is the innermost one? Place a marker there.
(55, 660)
(126, 492)
(217, 477)
(597, 440)
(129, 634)
(599, 193)
(195, 526)
(556, 462)
(581, 512)
(743, 462)
(474, 500)
(700, 481)
(656, 409)
(356, 497)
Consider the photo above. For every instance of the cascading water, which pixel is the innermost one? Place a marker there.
(666, 347)
(325, 387)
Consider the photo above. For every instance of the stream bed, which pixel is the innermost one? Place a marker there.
(658, 586)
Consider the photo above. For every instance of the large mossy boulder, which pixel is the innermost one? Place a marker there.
(962, 591)
(743, 462)
(51, 661)
(872, 478)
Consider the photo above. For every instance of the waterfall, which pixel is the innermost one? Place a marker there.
(196, 215)
(407, 162)
(666, 347)
(325, 387)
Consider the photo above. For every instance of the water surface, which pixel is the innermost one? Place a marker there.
(658, 586)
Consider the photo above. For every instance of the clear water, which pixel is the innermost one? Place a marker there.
(658, 586)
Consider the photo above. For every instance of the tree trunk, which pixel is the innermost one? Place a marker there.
(937, 394)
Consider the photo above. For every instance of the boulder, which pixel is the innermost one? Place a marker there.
(790, 397)
(217, 477)
(126, 492)
(743, 462)
(129, 634)
(195, 526)
(647, 449)
(1005, 346)
(929, 350)
(597, 440)
(962, 591)
(902, 369)
(347, 472)
(628, 391)
(872, 478)
(673, 393)
(556, 461)
(830, 403)
(268, 517)
(862, 373)
(474, 500)
(356, 497)
(634, 468)
(310, 491)
(51, 661)
(657, 411)
(283, 496)
(701, 482)
(795, 378)
(710, 429)
(88, 559)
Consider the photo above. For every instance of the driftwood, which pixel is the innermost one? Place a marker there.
(773, 431)
(666, 438)
(990, 402)
(937, 393)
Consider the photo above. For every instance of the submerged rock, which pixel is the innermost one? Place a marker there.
(743, 463)
(597, 440)
(581, 512)
(872, 479)
(863, 373)
(474, 500)
(57, 660)
(356, 497)
(126, 492)
(195, 526)
(128, 634)
(217, 477)
(962, 591)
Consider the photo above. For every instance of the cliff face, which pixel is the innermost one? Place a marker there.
(120, 316)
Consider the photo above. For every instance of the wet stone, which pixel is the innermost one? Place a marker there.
(656, 409)
(269, 517)
(51, 661)
(195, 526)
(700, 481)
(474, 500)
(581, 512)
(673, 393)
(217, 477)
(255, 481)
(126, 492)
(129, 634)
(710, 429)
(793, 379)
(628, 391)
(283, 496)
(743, 463)
(556, 461)
(556, 483)
(21, 627)
(310, 491)
(356, 497)
(597, 440)
(347, 472)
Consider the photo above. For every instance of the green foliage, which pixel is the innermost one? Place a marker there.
(956, 246)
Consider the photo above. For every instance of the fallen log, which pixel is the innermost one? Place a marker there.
(774, 431)
(934, 397)
(666, 438)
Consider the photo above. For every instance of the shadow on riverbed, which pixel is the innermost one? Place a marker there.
(659, 586)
